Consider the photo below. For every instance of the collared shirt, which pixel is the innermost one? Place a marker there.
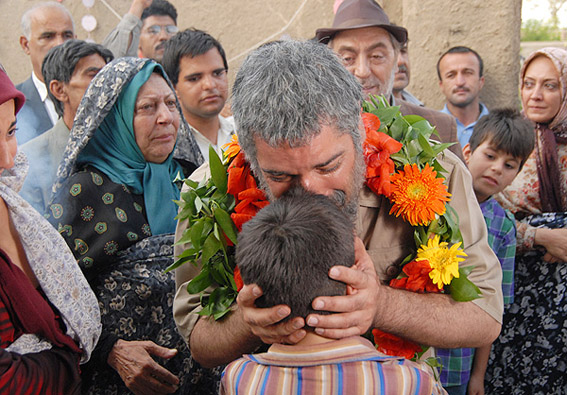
(457, 363)
(226, 130)
(464, 132)
(406, 96)
(49, 106)
(346, 366)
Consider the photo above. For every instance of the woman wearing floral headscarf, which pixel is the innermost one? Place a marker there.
(531, 354)
(49, 317)
(113, 204)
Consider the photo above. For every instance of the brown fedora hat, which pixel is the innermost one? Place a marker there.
(354, 14)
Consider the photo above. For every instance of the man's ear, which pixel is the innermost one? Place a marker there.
(467, 153)
(24, 43)
(57, 88)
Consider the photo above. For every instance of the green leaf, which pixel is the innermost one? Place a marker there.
(218, 171)
(452, 219)
(221, 299)
(210, 247)
(199, 283)
(198, 203)
(179, 262)
(425, 146)
(462, 289)
(197, 232)
(398, 129)
(191, 184)
(226, 224)
(185, 237)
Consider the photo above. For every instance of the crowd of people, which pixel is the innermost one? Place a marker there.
(94, 148)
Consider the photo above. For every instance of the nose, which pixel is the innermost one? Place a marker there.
(537, 92)
(315, 185)
(208, 82)
(6, 158)
(165, 115)
(497, 166)
(361, 68)
(460, 79)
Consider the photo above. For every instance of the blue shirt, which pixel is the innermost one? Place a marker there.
(464, 132)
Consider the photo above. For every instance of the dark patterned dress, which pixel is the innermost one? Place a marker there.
(125, 266)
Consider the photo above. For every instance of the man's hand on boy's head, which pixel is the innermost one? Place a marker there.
(265, 322)
(356, 310)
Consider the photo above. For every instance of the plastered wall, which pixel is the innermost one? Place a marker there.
(490, 27)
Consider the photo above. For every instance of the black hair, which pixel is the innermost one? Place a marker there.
(461, 49)
(506, 130)
(190, 42)
(289, 246)
(159, 8)
(60, 62)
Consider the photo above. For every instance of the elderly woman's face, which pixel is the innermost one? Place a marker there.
(541, 90)
(8, 143)
(156, 119)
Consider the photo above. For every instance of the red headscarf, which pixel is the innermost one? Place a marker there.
(8, 91)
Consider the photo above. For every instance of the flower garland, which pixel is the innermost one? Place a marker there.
(211, 233)
(402, 165)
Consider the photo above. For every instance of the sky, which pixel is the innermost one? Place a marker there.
(539, 9)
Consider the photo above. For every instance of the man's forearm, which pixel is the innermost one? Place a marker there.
(215, 343)
(434, 319)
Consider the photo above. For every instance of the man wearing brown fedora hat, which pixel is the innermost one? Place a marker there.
(368, 45)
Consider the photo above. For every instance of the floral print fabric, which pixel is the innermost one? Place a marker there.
(136, 298)
(54, 267)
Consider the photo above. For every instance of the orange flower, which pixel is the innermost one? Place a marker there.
(377, 148)
(393, 345)
(417, 278)
(232, 148)
(238, 279)
(418, 195)
(371, 122)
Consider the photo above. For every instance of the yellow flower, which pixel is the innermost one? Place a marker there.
(231, 149)
(444, 261)
(418, 195)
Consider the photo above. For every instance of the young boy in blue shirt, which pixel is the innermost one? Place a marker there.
(500, 144)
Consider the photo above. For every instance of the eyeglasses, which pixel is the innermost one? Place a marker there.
(156, 29)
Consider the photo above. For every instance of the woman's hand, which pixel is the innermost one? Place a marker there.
(555, 243)
(358, 308)
(142, 375)
(265, 323)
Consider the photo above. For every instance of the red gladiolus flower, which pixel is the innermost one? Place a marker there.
(417, 279)
(393, 345)
(371, 122)
(377, 149)
(238, 279)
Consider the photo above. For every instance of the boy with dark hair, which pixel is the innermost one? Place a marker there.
(196, 64)
(499, 146)
(287, 249)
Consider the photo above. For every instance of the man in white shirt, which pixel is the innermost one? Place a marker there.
(196, 64)
(460, 72)
(43, 27)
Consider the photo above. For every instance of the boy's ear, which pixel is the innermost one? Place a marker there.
(467, 153)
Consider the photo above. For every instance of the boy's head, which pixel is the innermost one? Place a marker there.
(499, 146)
(289, 246)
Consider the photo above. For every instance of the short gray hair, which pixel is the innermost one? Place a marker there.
(285, 90)
(25, 23)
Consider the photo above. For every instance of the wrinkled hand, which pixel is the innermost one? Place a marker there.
(555, 243)
(357, 309)
(265, 322)
(476, 385)
(142, 375)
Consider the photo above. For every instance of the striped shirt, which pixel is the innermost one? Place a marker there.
(346, 366)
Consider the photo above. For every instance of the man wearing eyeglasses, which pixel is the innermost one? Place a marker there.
(143, 30)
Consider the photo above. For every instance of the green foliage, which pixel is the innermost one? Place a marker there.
(537, 30)
(206, 206)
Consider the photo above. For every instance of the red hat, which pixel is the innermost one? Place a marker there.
(8, 91)
(354, 14)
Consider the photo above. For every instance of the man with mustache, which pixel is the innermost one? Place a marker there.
(461, 80)
(368, 45)
(402, 79)
(196, 64)
(299, 125)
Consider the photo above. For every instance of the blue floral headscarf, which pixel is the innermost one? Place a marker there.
(103, 136)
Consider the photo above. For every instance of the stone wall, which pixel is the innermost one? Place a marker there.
(434, 26)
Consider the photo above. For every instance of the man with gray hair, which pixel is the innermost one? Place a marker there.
(298, 116)
(368, 45)
(44, 26)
